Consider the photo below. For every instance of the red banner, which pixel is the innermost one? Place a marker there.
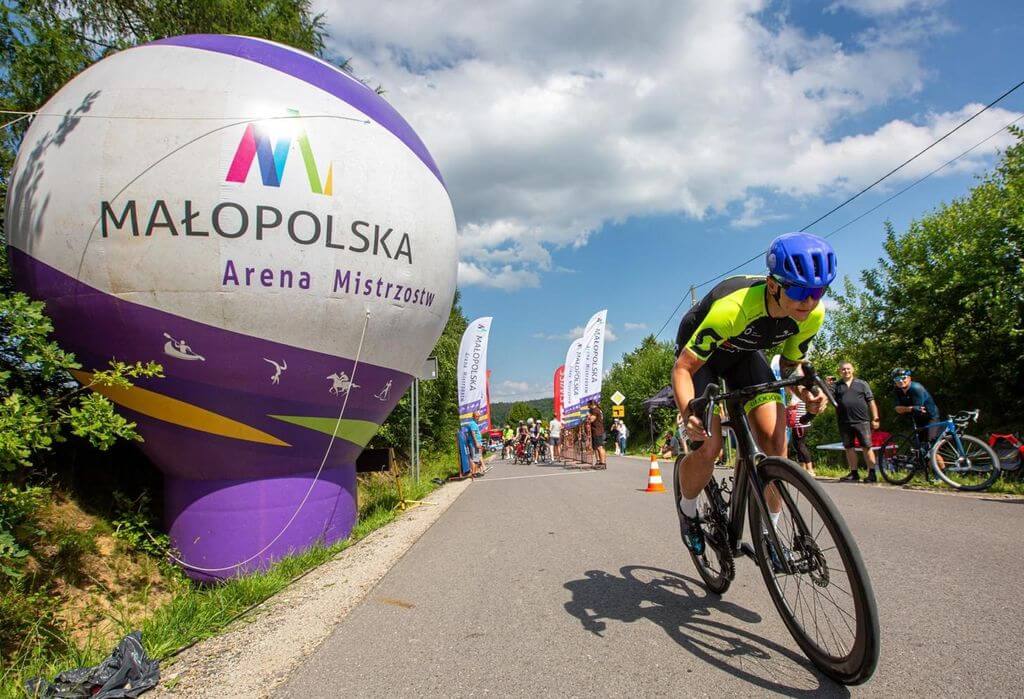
(558, 391)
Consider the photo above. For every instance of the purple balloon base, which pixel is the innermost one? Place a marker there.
(216, 525)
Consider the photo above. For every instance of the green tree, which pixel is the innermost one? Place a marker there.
(439, 410)
(946, 301)
(522, 411)
(638, 376)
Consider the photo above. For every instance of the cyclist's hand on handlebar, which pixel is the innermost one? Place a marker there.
(814, 398)
(818, 402)
(695, 429)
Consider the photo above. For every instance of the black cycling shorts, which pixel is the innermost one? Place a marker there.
(739, 371)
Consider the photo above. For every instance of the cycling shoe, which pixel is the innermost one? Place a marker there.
(773, 556)
(693, 534)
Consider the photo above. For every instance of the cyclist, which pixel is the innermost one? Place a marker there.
(507, 436)
(724, 336)
(912, 398)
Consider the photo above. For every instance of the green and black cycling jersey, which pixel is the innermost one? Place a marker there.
(733, 319)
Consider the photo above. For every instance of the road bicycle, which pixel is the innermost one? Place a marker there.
(809, 560)
(958, 459)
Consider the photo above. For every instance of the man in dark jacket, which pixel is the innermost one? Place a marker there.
(857, 414)
(913, 399)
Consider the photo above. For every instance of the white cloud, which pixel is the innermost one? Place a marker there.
(577, 332)
(519, 390)
(550, 119)
(754, 214)
(635, 326)
(506, 277)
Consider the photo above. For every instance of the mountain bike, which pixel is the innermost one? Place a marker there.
(958, 459)
(809, 560)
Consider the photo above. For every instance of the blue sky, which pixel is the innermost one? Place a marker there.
(601, 156)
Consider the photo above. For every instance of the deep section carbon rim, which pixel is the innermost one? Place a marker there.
(826, 601)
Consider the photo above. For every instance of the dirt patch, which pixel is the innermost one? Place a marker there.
(97, 582)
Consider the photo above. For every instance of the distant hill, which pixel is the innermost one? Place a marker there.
(537, 408)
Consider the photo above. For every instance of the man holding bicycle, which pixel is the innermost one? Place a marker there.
(724, 336)
(912, 398)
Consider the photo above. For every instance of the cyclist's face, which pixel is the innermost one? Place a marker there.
(797, 310)
(902, 383)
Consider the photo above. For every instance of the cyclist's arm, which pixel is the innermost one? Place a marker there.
(687, 364)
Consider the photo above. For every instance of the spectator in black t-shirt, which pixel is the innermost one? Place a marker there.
(857, 414)
(596, 420)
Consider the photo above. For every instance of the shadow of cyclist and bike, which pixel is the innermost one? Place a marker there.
(684, 610)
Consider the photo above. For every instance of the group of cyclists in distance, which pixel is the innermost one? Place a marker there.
(531, 441)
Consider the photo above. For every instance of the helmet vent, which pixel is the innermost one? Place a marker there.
(816, 261)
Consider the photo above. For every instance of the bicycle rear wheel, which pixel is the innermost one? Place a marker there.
(975, 467)
(898, 459)
(716, 565)
(827, 602)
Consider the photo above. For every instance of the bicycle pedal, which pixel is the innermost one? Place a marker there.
(745, 549)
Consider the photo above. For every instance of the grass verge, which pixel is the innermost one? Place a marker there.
(833, 468)
(198, 612)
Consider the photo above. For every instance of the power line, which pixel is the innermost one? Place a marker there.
(870, 186)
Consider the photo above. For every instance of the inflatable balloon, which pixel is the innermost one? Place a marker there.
(255, 220)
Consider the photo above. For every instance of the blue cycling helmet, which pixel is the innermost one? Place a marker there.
(802, 259)
(899, 374)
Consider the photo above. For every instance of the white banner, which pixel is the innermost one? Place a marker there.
(473, 371)
(566, 385)
(574, 370)
(593, 357)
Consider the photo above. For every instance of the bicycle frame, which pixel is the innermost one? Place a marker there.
(747, 481)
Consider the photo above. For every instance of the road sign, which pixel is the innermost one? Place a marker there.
(617, 398)
(429, 370)
(618, 411)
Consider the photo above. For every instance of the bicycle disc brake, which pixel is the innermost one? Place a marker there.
(812, 560)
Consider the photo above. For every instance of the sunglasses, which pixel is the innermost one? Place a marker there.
(802, 293)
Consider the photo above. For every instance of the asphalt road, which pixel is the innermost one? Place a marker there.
(545, 582)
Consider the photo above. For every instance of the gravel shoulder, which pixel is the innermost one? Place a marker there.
(259, 651)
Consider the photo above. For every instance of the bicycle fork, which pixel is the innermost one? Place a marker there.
(748, 484)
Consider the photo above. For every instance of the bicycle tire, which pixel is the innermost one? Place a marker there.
(713, 514)
(986, 450)
(859, 664)
(898, 459)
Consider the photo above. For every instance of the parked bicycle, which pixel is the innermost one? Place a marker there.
(809, 560)
(958, 459)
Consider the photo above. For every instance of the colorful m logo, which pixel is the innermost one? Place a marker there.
(256, 145)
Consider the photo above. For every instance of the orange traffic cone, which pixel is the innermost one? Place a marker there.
(654, 484)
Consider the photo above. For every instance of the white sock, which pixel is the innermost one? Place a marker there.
(775, 518)
(688, 506)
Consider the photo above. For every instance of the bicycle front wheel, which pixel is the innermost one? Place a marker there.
(973, 465)
(898, 459)
(825, 596)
